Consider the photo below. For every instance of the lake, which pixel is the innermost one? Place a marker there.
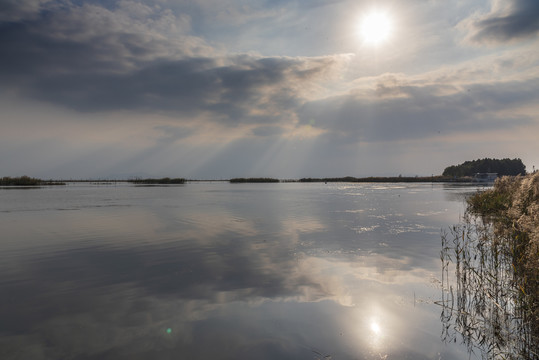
(225, 271)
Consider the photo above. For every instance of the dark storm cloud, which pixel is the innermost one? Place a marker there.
(188, 86)
(73, 39)
(520, 21)
(414, 111)
(31, 55)
(101, 62)
(15, 10)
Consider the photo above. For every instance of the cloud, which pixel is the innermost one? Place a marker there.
(264, 131)
(232, 80)
(92, 59)
(396, 108)
(171, 134)
(90, 38)
(17, 10)
(251, 90)
(507, 21)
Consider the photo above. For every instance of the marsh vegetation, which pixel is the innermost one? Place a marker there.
(490, 264)
(26, 181)
(161, 181)
(253, 180)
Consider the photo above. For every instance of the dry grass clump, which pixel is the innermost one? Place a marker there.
(493, 299)
(525, 207)
(512, 207)
(524, 213)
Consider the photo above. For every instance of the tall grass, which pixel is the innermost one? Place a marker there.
(490, 274)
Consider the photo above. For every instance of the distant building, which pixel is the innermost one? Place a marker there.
(485, 177)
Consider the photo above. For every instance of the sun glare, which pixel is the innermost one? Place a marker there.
(375, 27)
(375, 328)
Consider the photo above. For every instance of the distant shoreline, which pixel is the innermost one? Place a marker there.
(392, 179)
(176, 181)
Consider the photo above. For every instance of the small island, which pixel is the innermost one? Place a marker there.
(27, 181)
(501, 167)
(161, 181)
(253, 180)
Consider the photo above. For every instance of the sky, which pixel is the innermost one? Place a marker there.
(215, 89)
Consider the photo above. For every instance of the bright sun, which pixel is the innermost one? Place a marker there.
(375, 27)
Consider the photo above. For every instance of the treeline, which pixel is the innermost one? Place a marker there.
(500, 166)
(253, 180)
(162, 181)
(26, 181)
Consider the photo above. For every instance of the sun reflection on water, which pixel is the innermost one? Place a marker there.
(375, 328)
(376, 334)
(374, 331)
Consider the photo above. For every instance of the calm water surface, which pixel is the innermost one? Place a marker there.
(224, 271)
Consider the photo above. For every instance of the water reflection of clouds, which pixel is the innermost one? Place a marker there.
(207, 226)
(250, 288)
(118, 299)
